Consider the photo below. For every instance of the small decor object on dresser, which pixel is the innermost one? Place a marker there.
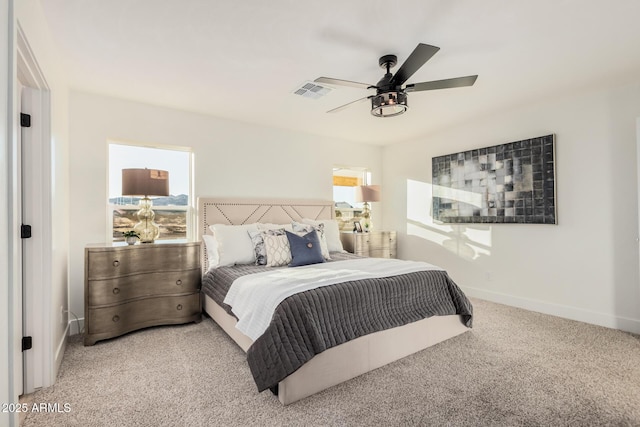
(131, 237)
(375, 244)
(127, 288)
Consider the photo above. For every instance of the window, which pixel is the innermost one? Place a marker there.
(345, 181)
(173, 214)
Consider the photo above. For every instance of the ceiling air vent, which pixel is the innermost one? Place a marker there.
(312, 90)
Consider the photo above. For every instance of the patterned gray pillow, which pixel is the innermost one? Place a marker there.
(257, 238)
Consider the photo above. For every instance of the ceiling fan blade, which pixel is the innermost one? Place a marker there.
(342, 107)
(420, 55)
(442, 84)
(339, 82)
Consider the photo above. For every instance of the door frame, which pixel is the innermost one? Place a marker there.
(36, 189)
(10, 321)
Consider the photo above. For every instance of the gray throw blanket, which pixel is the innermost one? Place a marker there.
(313, 321)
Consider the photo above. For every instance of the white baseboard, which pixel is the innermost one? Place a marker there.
(62, 345)
(75, 326)
(567, 312)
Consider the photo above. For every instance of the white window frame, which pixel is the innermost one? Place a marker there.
(189, 208)
(360, 172)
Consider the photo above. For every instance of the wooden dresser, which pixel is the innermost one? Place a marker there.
(132, 287)
(375, 244)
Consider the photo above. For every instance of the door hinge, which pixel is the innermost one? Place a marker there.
(25, 120)
(27, 343)
(25, 231)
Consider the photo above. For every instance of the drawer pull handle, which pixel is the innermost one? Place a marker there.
(116, 291)
(115, 318)
(116, 263)
(179, 282)
(179, 307)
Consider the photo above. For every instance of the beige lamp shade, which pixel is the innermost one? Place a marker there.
(145, 182)
(368, 193)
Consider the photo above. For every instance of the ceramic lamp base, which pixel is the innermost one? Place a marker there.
(146, 228)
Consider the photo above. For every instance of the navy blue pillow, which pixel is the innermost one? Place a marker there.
(305, 249)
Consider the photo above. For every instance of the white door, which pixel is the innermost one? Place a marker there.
(33, 247)
(35, 170)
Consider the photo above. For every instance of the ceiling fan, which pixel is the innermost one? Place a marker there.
(391, 98)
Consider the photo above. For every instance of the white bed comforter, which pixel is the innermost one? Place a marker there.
(254, 298)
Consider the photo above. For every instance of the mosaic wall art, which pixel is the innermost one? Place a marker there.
(508, 183)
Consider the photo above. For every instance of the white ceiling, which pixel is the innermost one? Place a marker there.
(243, 59)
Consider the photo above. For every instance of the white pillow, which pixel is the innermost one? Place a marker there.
(331, 232)
(211, 246)
(234, 243)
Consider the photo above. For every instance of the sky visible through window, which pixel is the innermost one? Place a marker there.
(344, 195)
(132, 156)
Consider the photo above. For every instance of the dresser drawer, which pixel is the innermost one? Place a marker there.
(122, 261)
(376, 244)
(382, 253)
(141, 313)
(360, 244)
(111, 291)
(381, 240)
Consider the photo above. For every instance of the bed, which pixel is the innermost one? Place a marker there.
(349, 357)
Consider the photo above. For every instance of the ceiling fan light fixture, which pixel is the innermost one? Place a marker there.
(389, 104)
(390, 99)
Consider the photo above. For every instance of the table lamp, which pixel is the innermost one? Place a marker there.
(145, 183)
(366, 194)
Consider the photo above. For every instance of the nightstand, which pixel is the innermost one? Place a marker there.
(375, 244)
(127, 288)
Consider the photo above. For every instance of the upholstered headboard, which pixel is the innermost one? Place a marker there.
(246, 211)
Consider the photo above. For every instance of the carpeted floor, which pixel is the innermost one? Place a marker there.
(514, 368)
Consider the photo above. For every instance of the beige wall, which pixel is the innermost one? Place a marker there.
(27, 14)
(30, 17)
(232, 159)
(586, 267)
